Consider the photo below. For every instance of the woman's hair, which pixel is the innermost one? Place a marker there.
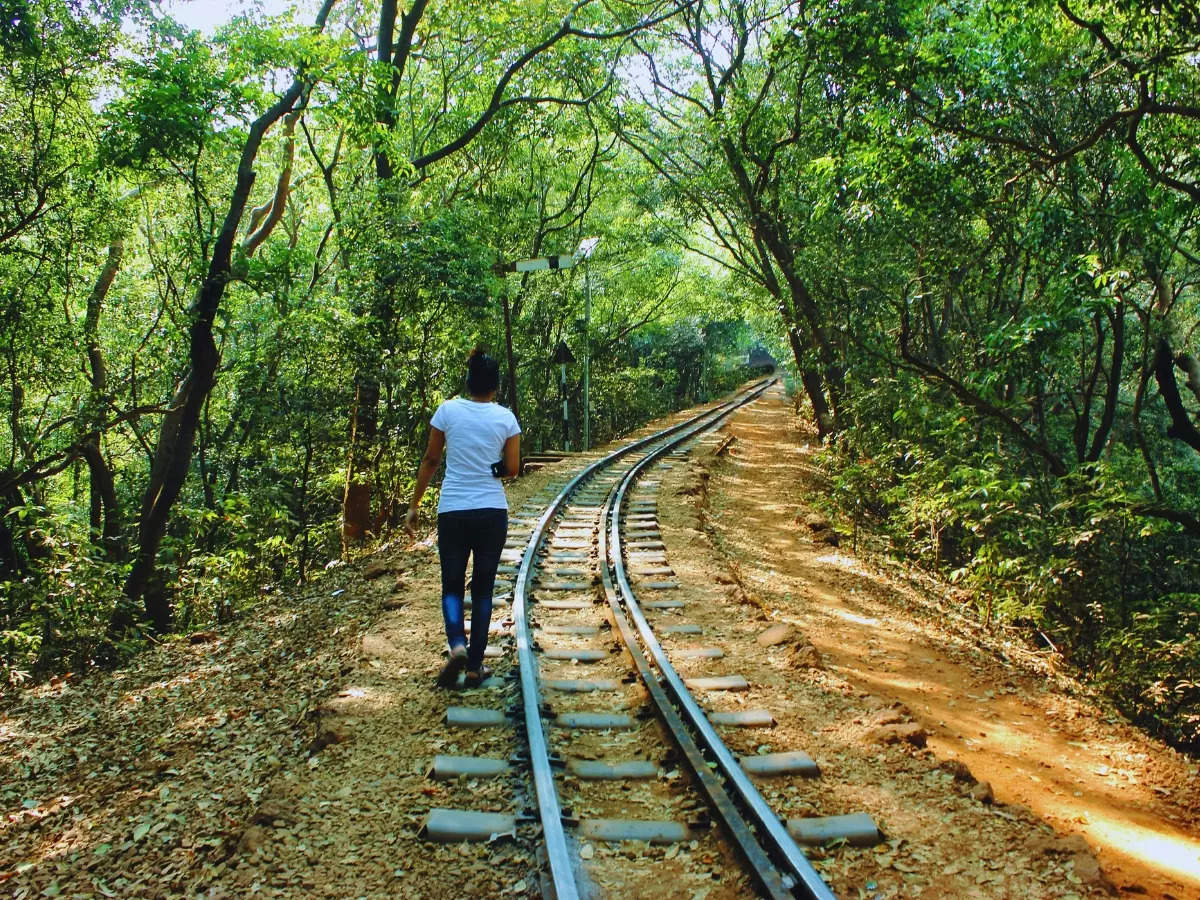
(483, 373)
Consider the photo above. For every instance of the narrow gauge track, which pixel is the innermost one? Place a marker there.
(597, 516)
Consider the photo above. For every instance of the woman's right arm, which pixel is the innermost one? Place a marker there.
(425, 472)
(511, 454)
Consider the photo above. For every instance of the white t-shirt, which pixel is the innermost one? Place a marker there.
(475, 436)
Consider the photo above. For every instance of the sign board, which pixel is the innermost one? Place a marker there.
(542, 262)
(563, 354)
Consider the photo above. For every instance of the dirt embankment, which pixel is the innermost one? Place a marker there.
(1039, 740)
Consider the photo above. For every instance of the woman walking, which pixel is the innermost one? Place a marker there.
(482, 444)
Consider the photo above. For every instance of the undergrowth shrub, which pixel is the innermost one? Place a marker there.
(55, 617)
(1066, 559)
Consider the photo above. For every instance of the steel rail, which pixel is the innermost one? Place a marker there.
(773, 884)
(549, 808)
(772, 831)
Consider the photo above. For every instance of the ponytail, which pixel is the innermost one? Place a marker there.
(483, 373)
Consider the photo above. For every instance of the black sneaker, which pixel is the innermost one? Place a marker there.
(448, 677)
(474, 679)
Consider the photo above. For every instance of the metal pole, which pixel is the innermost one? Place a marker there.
(562, 389)
(587, 351)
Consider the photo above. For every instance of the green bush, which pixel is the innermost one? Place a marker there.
(1068, 557)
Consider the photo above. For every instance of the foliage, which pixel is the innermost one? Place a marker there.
(969, 229)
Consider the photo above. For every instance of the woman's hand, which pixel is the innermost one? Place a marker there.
(410, 521)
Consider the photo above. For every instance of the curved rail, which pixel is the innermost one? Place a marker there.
(772, 882)
(549, 808)
(780, 844)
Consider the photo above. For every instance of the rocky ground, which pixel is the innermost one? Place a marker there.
(288, 754)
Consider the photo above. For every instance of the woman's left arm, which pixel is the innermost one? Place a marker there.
(425, 472)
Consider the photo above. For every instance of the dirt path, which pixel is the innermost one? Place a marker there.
(288, 754)
(1036, 738)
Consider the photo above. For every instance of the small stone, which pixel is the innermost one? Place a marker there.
(779, 633)
(1048, 844)
(902, 733)
(377, 568)
(329, 734)
(896, 714)
(1089, 872)
(270, 813)
(805, 656)
(982, 792)
(959, 770)
(815, 521)
(252, 839)
(1074, 843)
(374, 646)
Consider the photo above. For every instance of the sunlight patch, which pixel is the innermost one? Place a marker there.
(1173, 853)
(842, 562)
(854, 617)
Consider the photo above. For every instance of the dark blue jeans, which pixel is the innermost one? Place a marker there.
(479, 533)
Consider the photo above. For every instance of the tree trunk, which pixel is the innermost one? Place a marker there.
(302, 512)
(177, 435)
(1182, 427)
(511, 358)
(105, 511)
(356, 502)
(814, 386)
(11, 562)
(104, 498)
(393, 50)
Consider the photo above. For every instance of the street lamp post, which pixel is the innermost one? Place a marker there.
(562, 356)
(586, 246)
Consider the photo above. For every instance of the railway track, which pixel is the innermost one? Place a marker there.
(588, 565)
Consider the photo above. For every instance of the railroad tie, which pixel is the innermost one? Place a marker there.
(447, 767)
(554, 573)
(652, 570)
(662, 604)
(789, 762)
(449, 826)
(595, 720)
(616, 830)
(564, 604)
(598, 770)
(581, 685)
(718, 683)
(856, 829)
(474, 717)
(501, 599)
(577, 654)
(681, 628)
(700, 652)
(743, 718)
(553, 628)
